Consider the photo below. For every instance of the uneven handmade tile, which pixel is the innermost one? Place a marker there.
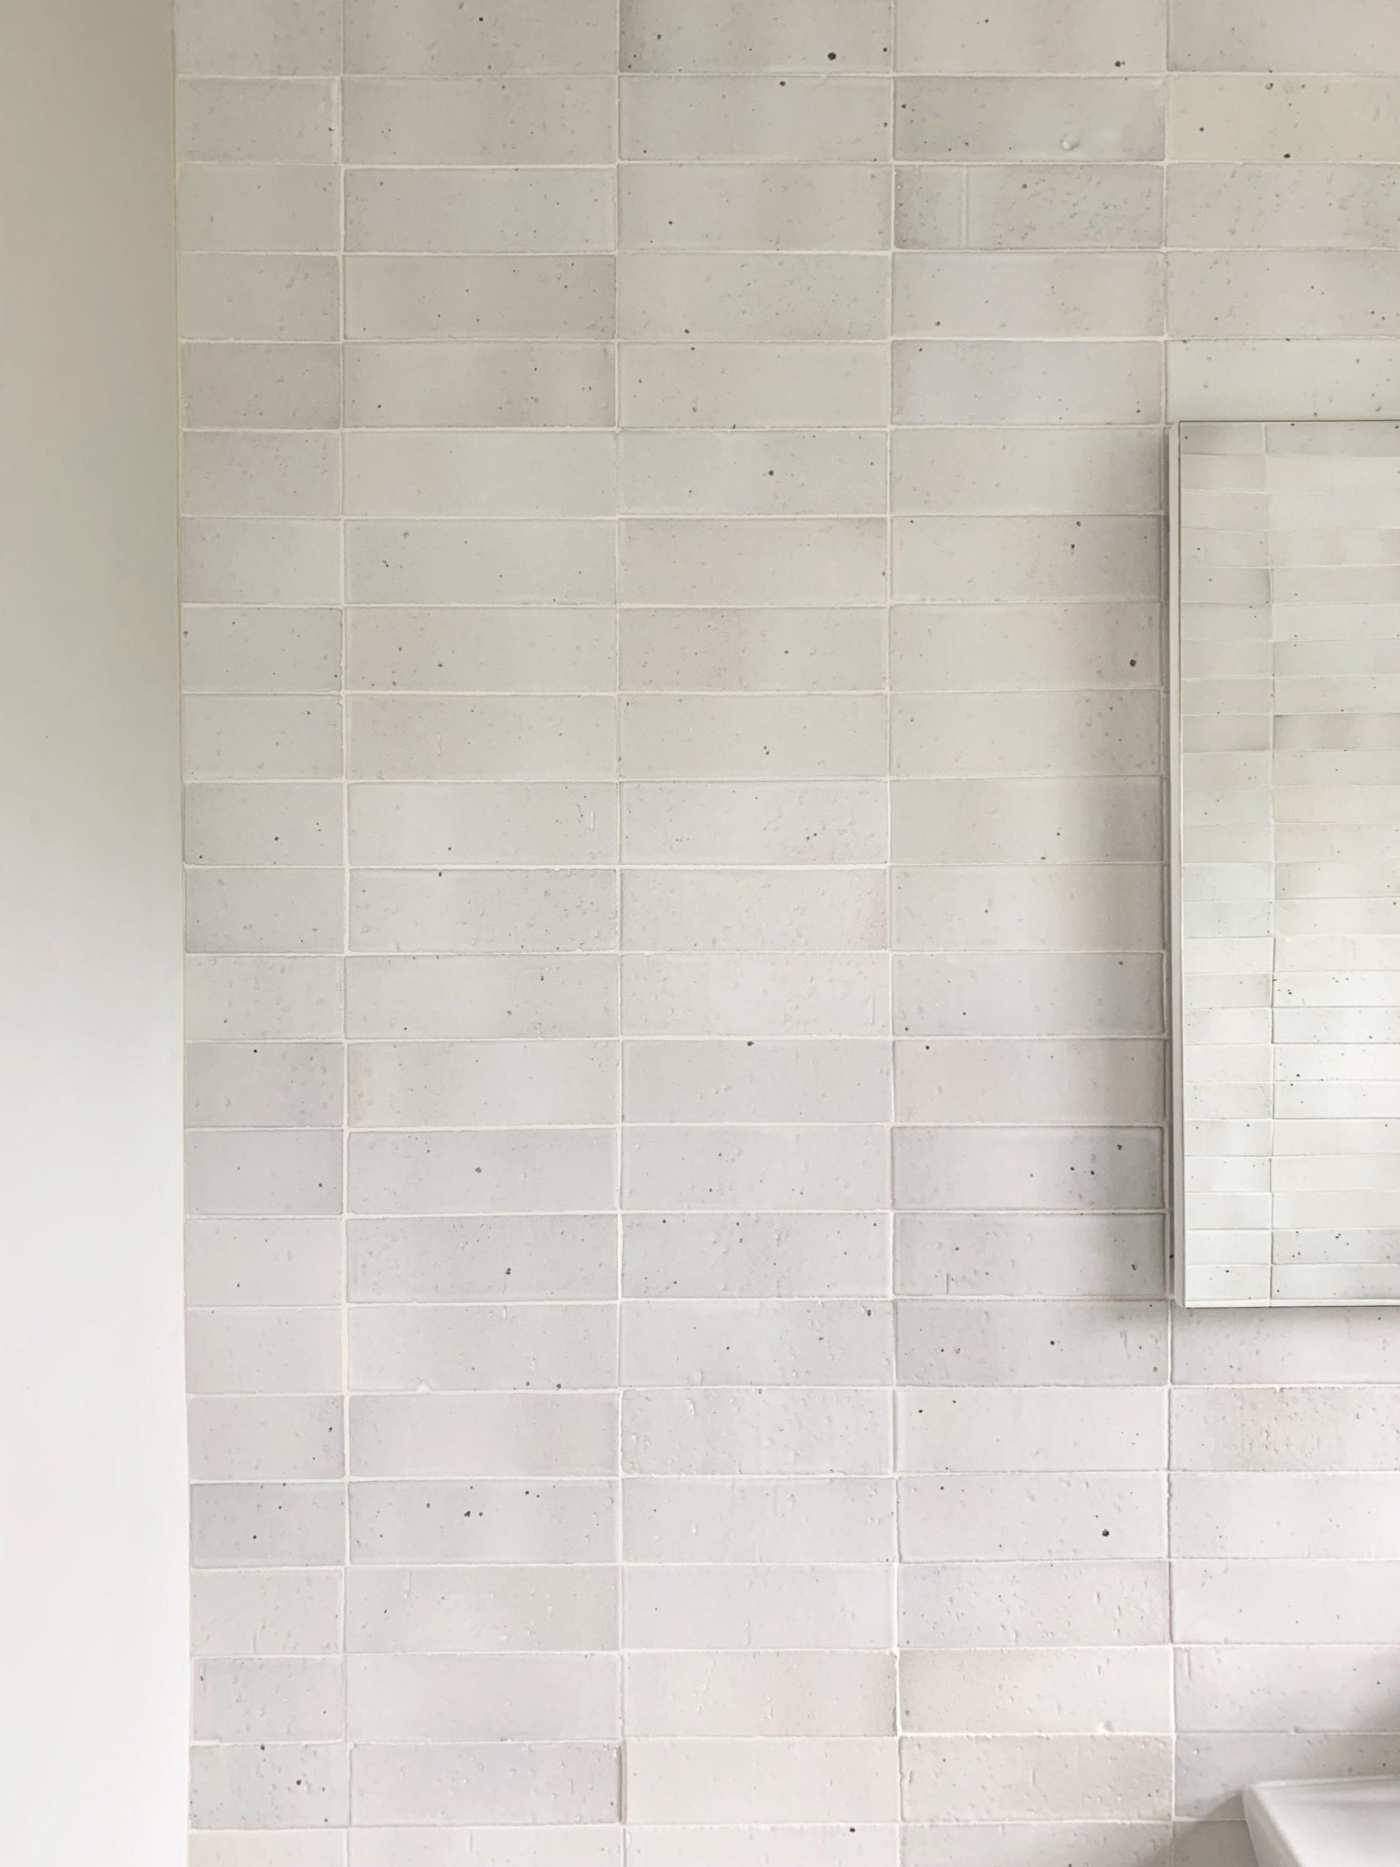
(1256, 36)
(760, 474)
(754, 385)
(1081, 470)
(438, 39)
(948, 382)
(1028, 119)
(524, 119)
(265, 475)
(1028, 295)
(471, 385)
(478, 210)
(725, 35)
(1242, 117)
(510, 651)
(1030, 35)
(264, 821)
(1084, 205)
(717, 561)
(255, 120)
(1282, 294)
(754, 1254)
(488, 561)
(1275, 204)
(259, 297)
(271, 38)
(443, 1084)
(487, 296)
(755, 119)
(260, 385)
(754, 207)
(491, 1435)
(248, 207)
(796, 297)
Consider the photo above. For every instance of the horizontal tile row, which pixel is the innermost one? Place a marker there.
(768, 473)
(290, 1262)
(1107, 907)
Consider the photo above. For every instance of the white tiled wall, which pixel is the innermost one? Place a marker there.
(676, 1074)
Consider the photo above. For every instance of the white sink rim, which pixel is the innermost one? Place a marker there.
(1334, 1821)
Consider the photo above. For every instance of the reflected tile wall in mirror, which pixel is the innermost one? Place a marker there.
(1287, 817)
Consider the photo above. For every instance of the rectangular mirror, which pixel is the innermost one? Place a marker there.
(1285, 746)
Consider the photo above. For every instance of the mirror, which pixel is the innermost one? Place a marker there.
(1285, 749)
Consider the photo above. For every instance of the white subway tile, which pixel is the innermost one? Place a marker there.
(766, 994)
(762, 385)
(1034, 1604)
(718, 561)
(1030, 35)
(267, 1526)
(762, 1780)
(755, 1520)
(422, 1348)
(486, 120)
(1103, 1777)
(736, 1342)
(266, 1611)
(263, 1351)
(1029, 1255)
(534, 1520)
(434, 561)
(1031, 1428)
(484, 1782)
(481, 1610)
(822, 298)
(752, 1080)
(1028, 119)
(478, 210)
(437, 39)
(794, 823)
(787, 36)
(260, 385)
(267, 1701)
(834, 1168)
(770, 1606)
(803, 1694)
(1066, 1689)
(252, 1437)
(761, 736)
(1031, 1169)
(1039, 1516)
(484, 1698)
(513, 296)
(995, 382)
(753, 207)
(255, 207)
(1279, 36)
(756, 1431)
(445, 995)
(277, 1261)
(444, 1435)
(1021, 295)
(486, 1170)
(269, 1785)
(751, 119)
(403, 736)
(272, 38)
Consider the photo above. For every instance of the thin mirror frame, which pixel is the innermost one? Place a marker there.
(1176, 1099)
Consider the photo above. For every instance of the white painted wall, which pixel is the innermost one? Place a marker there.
(92, 1459)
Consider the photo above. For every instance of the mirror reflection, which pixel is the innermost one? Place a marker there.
(1286, 819)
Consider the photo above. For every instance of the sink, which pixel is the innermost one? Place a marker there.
(1338, 1822)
